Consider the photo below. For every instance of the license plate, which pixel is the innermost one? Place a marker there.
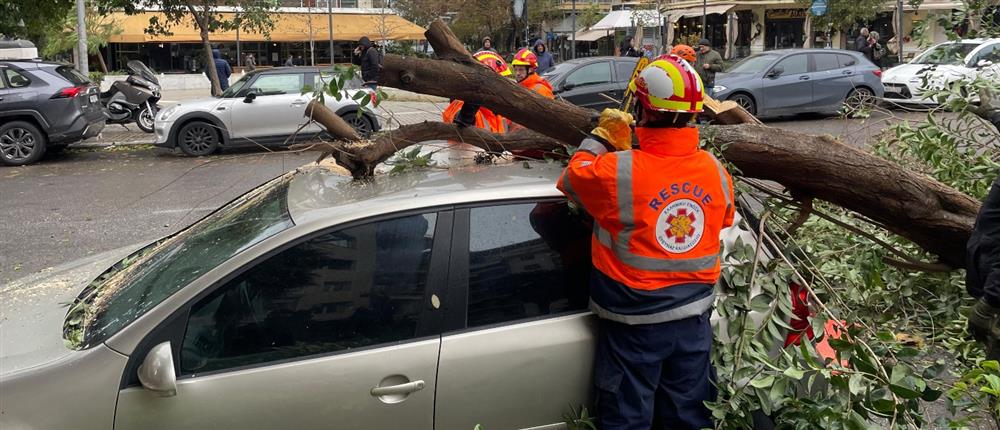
(93, 98)
(893, 90)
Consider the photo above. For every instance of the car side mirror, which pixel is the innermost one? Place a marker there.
(984, 63)
(775, 72)
(566, 86)
(249, 98)
(157, 371)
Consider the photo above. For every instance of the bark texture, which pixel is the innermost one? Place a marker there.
(931, 214)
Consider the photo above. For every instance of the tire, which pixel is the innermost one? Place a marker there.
(20, 143)
(198, 138)
(145, 117)
(859, 99)
(745, 101)
(360, 123)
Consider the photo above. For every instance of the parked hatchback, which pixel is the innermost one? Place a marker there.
(263, 108)
(44, 107)
(427, 300)
(594, 82)
(792, 81)
(939, 67)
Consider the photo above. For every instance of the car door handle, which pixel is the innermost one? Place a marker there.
(395, 390)
(298, 103)
(220, 108)
(803, 78)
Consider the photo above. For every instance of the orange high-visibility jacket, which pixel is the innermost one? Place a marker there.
(538, 84)
(485, 118)
(658, 214)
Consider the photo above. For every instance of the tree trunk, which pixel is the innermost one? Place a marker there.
(100, 61)
(213, 74)
(931, 214)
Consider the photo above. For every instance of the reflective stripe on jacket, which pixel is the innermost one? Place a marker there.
(658, 214)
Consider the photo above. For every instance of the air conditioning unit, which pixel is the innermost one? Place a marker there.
(17, 50)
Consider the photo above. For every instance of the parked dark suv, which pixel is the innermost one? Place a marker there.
(44, 106)
(594, 82)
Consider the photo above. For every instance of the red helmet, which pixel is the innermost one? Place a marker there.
(493, 61)
(525, 57)
(669, 84)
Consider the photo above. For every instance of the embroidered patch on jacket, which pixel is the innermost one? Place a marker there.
(680, 226)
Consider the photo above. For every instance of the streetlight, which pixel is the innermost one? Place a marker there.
(704, 17)
(573, 46)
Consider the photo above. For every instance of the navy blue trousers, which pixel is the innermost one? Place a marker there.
(655, 375)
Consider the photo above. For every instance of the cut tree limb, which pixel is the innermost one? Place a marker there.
(931, 214)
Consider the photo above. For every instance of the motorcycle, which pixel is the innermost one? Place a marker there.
(134, 99)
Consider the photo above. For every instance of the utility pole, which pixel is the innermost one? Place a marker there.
(81, 38)
(573, 47)
(899, 31)
(329, 16)
(704, 18)
(239, 58)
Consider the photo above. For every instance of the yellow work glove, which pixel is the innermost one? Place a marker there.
(614, 126)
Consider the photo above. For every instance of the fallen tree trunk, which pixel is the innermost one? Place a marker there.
(931, 214)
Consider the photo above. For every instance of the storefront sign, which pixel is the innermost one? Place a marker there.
(785, 14)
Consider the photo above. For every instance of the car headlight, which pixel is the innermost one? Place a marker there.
(719, 88)
(166, 113)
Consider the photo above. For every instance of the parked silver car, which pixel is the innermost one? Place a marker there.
(429, 299)
(792, 81)
(266, 107)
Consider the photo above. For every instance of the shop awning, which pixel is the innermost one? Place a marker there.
(590, 35)
(935, 5)
(289, 27)
(692, 12)
(627, 19)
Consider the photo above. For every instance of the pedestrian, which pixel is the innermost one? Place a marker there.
(708, 63)
(488, 44)
(290, 62)
(982, 274)
(873, 50)
(658, 211)
(368, 57)
(250, 62)
(545, 59)
(862, 40)
(627, 48)
(222, 69)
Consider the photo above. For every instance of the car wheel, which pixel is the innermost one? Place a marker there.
(145, 118)
(20, 143)
(859, 100)
(360, 124)
(746, 102)
(198, 138)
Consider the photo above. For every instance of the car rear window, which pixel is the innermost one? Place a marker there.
(72, 75)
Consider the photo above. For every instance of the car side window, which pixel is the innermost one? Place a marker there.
(624, 69)
(989, 53)
(525, 261)
(847, 60)
(286, 83)
(591, 74)
(3, 82)
(15, 79)
(352, 288)
(826, 62)
(793, 65)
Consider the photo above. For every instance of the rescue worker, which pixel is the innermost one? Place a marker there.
(525, 64)
(685, 52)
(471, 114)
(658, 212)
(982, 275)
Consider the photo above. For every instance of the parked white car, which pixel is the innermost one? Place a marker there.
(939, 66)
(265, 107)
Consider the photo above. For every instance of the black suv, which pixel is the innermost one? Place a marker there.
(594, 82)
(44, 106)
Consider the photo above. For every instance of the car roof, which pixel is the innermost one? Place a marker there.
(585, 60)
(31, 63)
(810, 51)
(303, 69)
(320, 194)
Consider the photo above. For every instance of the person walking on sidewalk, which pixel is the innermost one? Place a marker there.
(545, 59)
(250, 62)
(708, 63)
(222, 69)
(658, 211)
(290, 62)
(370, 60)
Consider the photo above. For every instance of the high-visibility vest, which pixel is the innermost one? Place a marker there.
(658, 214)
(485, 118)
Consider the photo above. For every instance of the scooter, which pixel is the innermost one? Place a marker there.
(134, 99)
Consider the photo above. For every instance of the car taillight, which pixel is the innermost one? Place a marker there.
(878, 72)
(70, 92)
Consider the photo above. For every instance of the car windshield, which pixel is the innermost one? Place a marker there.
(946, 54)
(754, 64)
(147, 277)
(559, 69)
(237, 86)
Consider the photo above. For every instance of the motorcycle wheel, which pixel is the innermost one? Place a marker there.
(145, 117)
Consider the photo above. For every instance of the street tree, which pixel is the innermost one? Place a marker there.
(100, 29)
(29, 19)
(207, 16)
(844, 14)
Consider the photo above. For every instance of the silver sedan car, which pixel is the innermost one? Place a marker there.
(429, 299)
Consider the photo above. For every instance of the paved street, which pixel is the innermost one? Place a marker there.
(90, 200)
